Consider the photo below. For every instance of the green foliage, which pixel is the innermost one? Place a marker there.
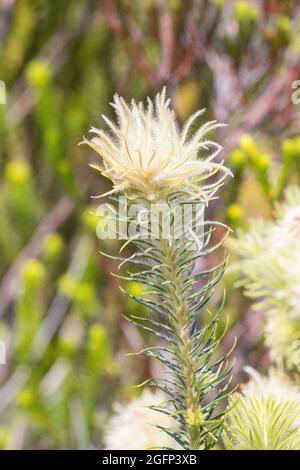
(188, 352)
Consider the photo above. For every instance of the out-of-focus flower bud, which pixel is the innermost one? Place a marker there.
(53, 245)
(245, 13)
(38, 74)
(18, 172)
(33, 273)
(237, 159)
(235, 214)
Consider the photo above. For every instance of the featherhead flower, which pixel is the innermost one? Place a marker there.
(147, 153)
(136, 426)
(268, 266)
(275, 385)
(266, 416)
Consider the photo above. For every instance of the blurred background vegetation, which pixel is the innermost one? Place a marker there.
(62, 61)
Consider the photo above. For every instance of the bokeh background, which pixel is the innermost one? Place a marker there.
(61, 312)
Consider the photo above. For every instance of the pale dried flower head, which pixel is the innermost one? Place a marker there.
(276, 385)
(134, 425)
(265, 416)
(146, 151)
(268, 267)
(261, 423)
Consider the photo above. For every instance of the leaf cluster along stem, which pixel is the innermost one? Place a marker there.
(189, 353)
(183, 346)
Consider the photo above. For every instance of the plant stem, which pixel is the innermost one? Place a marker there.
(181, 326)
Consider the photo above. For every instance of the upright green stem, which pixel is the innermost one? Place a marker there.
(179, 307)
(189, 354)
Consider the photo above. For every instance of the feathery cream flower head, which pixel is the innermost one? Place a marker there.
(268, 267)
(261, 423)
(134, 425)
(147, 153)
(275, 385)
(265, 416)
